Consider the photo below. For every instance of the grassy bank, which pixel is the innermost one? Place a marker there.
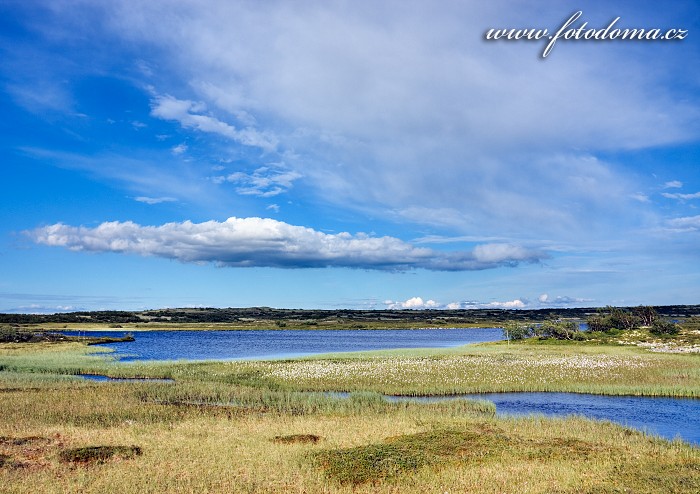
(254, 427)
(370, 446)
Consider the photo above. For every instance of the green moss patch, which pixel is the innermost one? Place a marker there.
(375, 462)
(20, 441)
(298, 438)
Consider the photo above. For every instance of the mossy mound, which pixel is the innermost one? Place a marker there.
(298, 438)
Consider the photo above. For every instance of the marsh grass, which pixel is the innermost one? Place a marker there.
(616, 370)
(527, 366)
(401, 451)
(214, 429)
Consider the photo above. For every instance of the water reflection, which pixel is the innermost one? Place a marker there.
(269, 344)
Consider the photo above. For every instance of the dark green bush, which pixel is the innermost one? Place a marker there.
(560, 330)
(660, 327)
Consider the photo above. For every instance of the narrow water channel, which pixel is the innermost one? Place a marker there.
(666, 417)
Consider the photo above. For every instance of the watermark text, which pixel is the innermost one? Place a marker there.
(569, 30)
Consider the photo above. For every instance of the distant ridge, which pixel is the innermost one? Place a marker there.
(235, 315)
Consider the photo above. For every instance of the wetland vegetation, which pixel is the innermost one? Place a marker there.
(272, 426)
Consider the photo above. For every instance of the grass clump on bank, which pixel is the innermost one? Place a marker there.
(99, 454)
(399, 454)
(298, 438)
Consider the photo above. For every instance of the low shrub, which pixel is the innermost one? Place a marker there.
(660, 327)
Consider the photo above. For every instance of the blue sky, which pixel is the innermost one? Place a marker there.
(345, 155)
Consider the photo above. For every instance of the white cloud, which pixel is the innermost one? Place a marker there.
(681, 197)
(412, 303)
(179, 149)
(188, 114)
(640, 197)
(154, 200)
(518, 303)
(246, 242)
(513, 304)
(685, 224)
(673, 184)
(385, 105)
(273, 207)
(263, 182)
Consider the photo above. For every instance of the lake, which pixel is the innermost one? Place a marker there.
(276, 344)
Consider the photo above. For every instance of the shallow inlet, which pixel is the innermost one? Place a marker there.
(666, 417)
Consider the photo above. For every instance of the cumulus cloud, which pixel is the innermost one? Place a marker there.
(518, 303)
(512, 304)
(413, 303)
(247, 242)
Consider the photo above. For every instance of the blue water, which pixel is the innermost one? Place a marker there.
(264, 344)
(103, 378)
(665, 417)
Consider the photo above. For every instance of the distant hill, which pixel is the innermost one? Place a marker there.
(242, 315)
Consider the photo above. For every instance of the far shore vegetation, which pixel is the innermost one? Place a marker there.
(270, 318)
(273, 426)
